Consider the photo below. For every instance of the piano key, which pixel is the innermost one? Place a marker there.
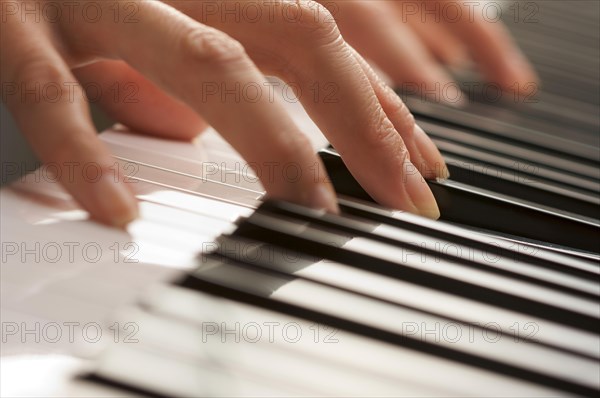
(476, 256)
(527, 168)
(169, 236)
(581, 145)
(568, 108)
(189, 184)
(183, 220)
(389, 317)
(344, 312)
(445, 276)
(459, 203)
(529, 172)
(521, 185)
(195, 204)
(532, 155)
(291, 365)
(94, 291)
(405, 365)
(213, 169)
(535, 245)
(151, 372)
(552, 162)
(539, 256)
(408, 295)
(59, 307)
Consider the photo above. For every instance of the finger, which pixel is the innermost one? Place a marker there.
(423, 152)
(436, 37)
(54, 118)
(209, 71)
(131, 99)
(338, 96)
(493, 49)
(375, 31)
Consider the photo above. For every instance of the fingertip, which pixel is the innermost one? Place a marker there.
(423, 201)
(444, 173)
(435, 164)
(431, 212)
(518, 75)
(112, 202)
(528, 73)
(451, 93)
(440, 87)
(324, 198)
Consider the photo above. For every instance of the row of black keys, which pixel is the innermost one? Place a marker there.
(282, 244)
(516, 210)
(312, 236)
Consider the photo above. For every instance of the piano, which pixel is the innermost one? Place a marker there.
(216, 291)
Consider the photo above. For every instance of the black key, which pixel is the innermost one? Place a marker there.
(470, 254)
(474, 207)
(316, 241)
(244, 292)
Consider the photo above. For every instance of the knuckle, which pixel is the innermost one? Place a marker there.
(384, 136)
(402, 154)
(37, 69)
(315, 20)
(295, 146)
(213, 46)
(406, 119)
(39, 81)
(403, 119)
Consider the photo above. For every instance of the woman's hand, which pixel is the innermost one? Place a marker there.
(173, 53)
(411, 42)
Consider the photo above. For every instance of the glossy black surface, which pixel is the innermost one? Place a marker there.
(472, 208)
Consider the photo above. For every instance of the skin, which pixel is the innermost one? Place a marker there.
(434, 34)
(171, 50)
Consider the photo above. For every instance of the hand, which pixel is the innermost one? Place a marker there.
(412, 41)
(170, 56)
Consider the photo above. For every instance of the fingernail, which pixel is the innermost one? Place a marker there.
(419, 192)
(114, 201)
(444, 173)
(324, 198)
(430, 153)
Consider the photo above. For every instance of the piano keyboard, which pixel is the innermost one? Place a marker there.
(376, 287)
(498, 298)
